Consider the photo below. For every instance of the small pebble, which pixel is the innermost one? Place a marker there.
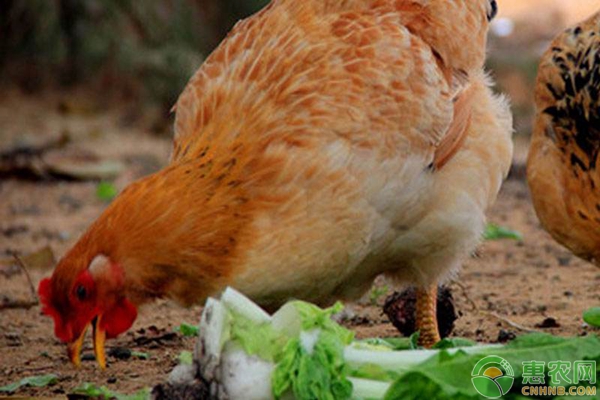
(505, 336)
(564, 261)
(64, 235)
(120, 353)
(548, 323)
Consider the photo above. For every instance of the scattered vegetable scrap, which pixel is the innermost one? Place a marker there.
(36, 381)
(187, 330)
(106, 191)
(102, 392)
(592, 317)
(496, 232)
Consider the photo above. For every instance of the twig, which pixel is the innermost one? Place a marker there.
(36, 369)
(508, 321)
(31, 286)
(11, 304)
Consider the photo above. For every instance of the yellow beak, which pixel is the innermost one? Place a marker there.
(74, 348)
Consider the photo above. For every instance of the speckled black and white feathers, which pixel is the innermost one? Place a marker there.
(575, 88)
(563, 163)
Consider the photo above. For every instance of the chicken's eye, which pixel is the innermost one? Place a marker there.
(81, 292)
(493, 10)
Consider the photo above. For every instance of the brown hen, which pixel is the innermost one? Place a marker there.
(323, 143)
(562, 167)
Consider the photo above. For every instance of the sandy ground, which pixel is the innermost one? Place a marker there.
(506, 284)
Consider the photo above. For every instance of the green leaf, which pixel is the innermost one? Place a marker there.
(592, 317)
(140, 355)
(314, 317)
(102, 392)
(256, 339)
(448, 376)
(414, 340)
(106, 191)
(496, 232)
(320, 374)
(186, 357)
(451, 343)
(91, 390)
(36, 381)
(187, 330)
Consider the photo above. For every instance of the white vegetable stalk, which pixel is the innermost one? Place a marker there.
(400, 361)
(242, 305)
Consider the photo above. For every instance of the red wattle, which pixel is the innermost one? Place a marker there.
(119, 318)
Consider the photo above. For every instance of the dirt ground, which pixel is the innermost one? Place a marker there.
(506, 288)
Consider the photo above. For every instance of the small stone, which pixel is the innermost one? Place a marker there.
(120, 353)
(548, 323)
(13, 339)
(64, 236)
(564, 261)
(505, 336)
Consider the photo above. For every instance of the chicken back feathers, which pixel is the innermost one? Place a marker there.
(321, 144)
(563, 159)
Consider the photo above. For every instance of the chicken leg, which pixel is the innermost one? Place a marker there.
(426, 316)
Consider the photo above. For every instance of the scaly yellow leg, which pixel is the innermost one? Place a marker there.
(426, 318)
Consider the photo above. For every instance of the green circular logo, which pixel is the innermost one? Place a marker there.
(493, 377)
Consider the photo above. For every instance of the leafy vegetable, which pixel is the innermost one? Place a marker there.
(496, 232)
(187, 330)
(592, 317)
(306, 355)
(35, 381)
(447, 376)
(256, 339)
(106, 191)
(102, 392)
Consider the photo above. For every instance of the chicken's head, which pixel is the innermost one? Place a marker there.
(79, 295)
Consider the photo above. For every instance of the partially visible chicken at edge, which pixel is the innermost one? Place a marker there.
(562, 166)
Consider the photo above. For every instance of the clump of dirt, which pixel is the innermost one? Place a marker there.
(401, 310)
